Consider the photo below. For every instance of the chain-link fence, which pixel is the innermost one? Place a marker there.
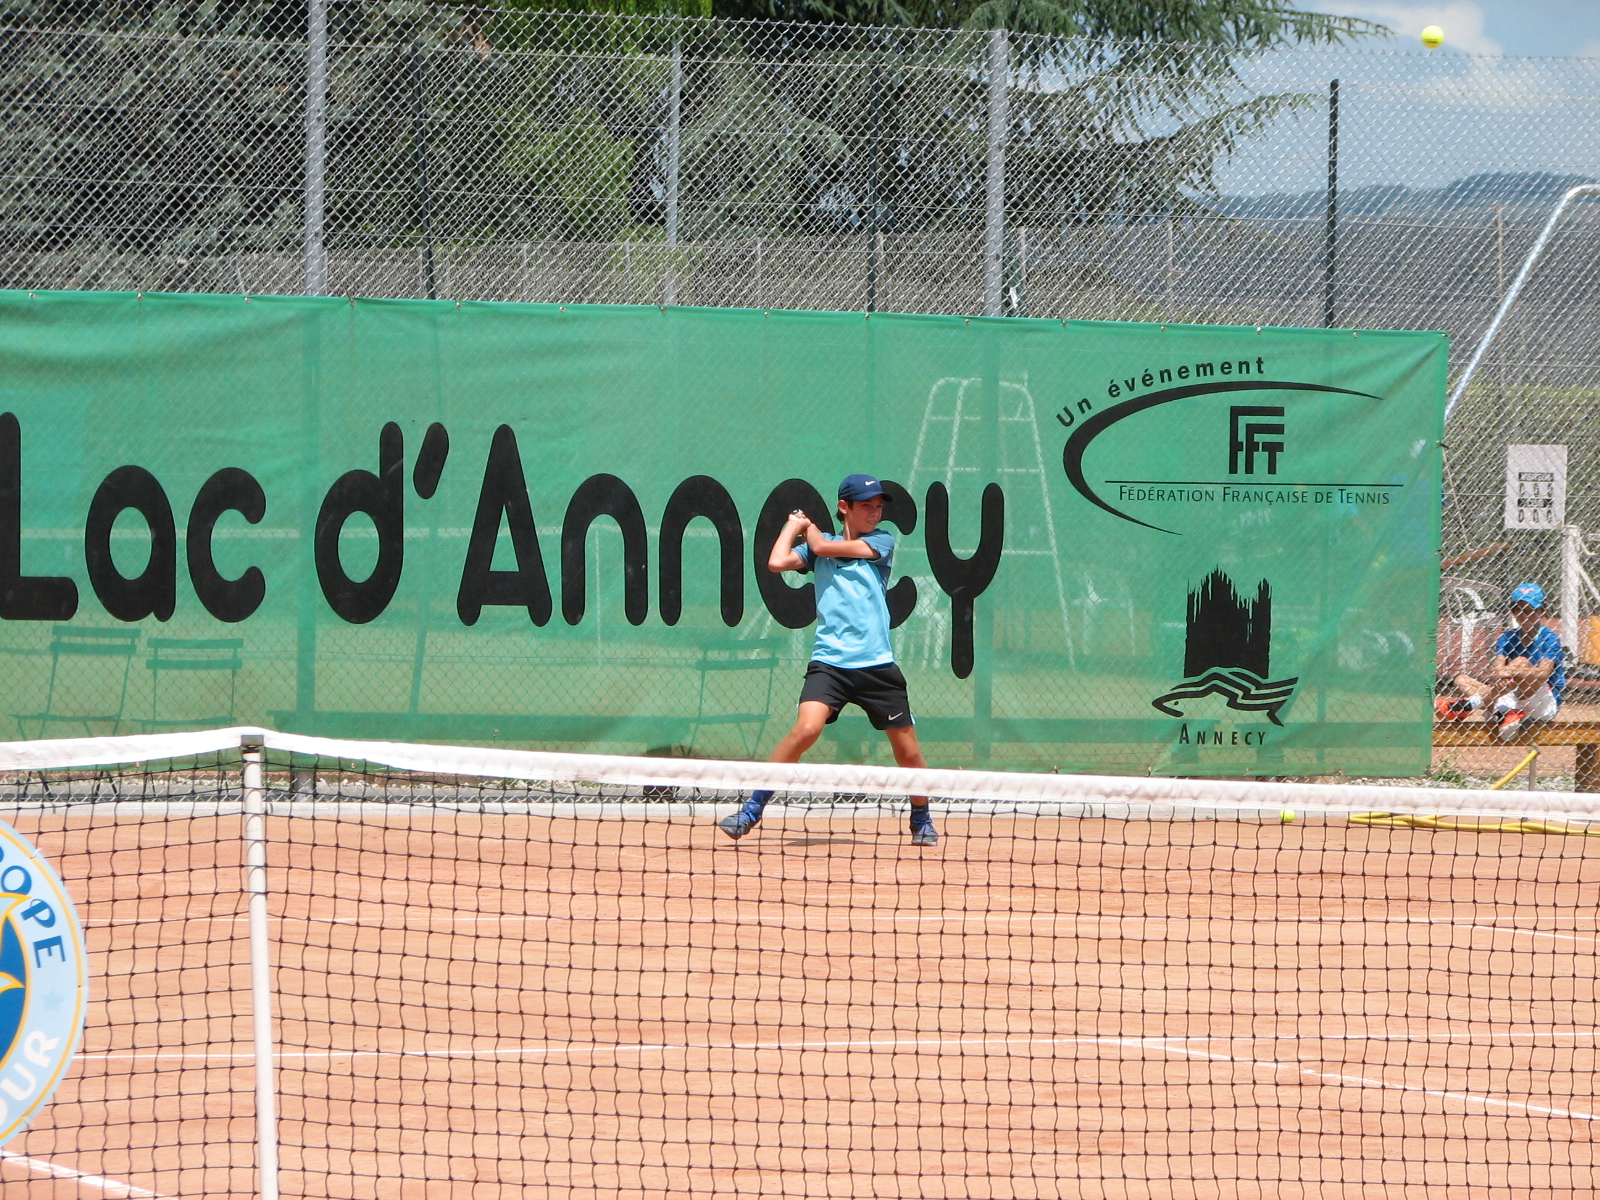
(581, 158)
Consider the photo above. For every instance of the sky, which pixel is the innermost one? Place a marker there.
(1515, 88)
(1553, 28)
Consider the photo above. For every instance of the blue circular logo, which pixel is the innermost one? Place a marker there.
(44, 982)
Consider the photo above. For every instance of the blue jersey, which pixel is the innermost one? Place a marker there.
(1544, 646)
(852, 604)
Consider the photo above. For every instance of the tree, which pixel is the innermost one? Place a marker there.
(1121, 109)
(173, 130)
(1235, 26)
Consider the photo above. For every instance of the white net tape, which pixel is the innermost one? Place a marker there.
(617, 777)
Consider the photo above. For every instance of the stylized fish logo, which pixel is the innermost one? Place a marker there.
(1228, 651)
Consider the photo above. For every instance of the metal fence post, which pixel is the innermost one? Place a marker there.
(255, 859)
(1330, 246)
(1571, 609)
(871, 208)
(316, 145)
(994, 216)
(419, 152)
(674, 150)
(1171, 276)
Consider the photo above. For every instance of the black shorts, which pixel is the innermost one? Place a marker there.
(879, 691)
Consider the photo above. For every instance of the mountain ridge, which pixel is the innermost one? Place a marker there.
(1519, 191)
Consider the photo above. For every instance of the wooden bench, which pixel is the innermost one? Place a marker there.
(1575, 725)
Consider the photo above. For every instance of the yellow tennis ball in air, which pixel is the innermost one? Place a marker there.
(1433, 37)
(1287, 816)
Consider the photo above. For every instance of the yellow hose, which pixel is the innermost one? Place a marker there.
(1407, 821)
(1516, 770)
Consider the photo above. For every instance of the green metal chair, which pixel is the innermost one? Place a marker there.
(732, 660)
(85, 693)
(190, 655)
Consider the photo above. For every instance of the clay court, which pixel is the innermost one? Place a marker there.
(494, 1006)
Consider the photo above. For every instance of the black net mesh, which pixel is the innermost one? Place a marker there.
(489, 988)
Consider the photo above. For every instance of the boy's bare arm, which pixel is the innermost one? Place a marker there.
(822, 548)
(783, 556)
(1528, 672)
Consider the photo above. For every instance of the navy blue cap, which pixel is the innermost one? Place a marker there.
(860, 487)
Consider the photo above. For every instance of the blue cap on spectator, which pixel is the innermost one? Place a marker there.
(860, 487)
(1528, 593)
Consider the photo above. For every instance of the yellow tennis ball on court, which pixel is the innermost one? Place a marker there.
(1287, 816)
(1433, 37)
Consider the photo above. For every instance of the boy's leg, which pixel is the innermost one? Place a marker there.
(807, 729)
(1473, 697)
(907, 753)
(1515, 709)
(1541, 704)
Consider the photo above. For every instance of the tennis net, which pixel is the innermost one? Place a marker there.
(470, 973)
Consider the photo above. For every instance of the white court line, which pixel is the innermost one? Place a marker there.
(1443, 921)
(1513, 929)
(1160, 1045)
(891, 918)
(108, 1187)
(1445, 1039)
(652, 1047)
(1367, 1081)
(782, 922)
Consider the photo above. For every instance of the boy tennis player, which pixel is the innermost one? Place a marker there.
(851, 662)
(1527, 676)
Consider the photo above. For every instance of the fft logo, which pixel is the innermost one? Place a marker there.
(1245, 435)
(44, 984)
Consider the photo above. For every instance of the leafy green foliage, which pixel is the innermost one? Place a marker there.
(176, 128)
(622, 8)
(1234, 26)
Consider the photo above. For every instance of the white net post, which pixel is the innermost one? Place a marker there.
(255, 850)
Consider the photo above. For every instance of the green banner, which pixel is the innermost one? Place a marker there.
(1122, 548)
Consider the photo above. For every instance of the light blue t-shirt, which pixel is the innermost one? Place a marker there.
(852, 604)
(1544, 645)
